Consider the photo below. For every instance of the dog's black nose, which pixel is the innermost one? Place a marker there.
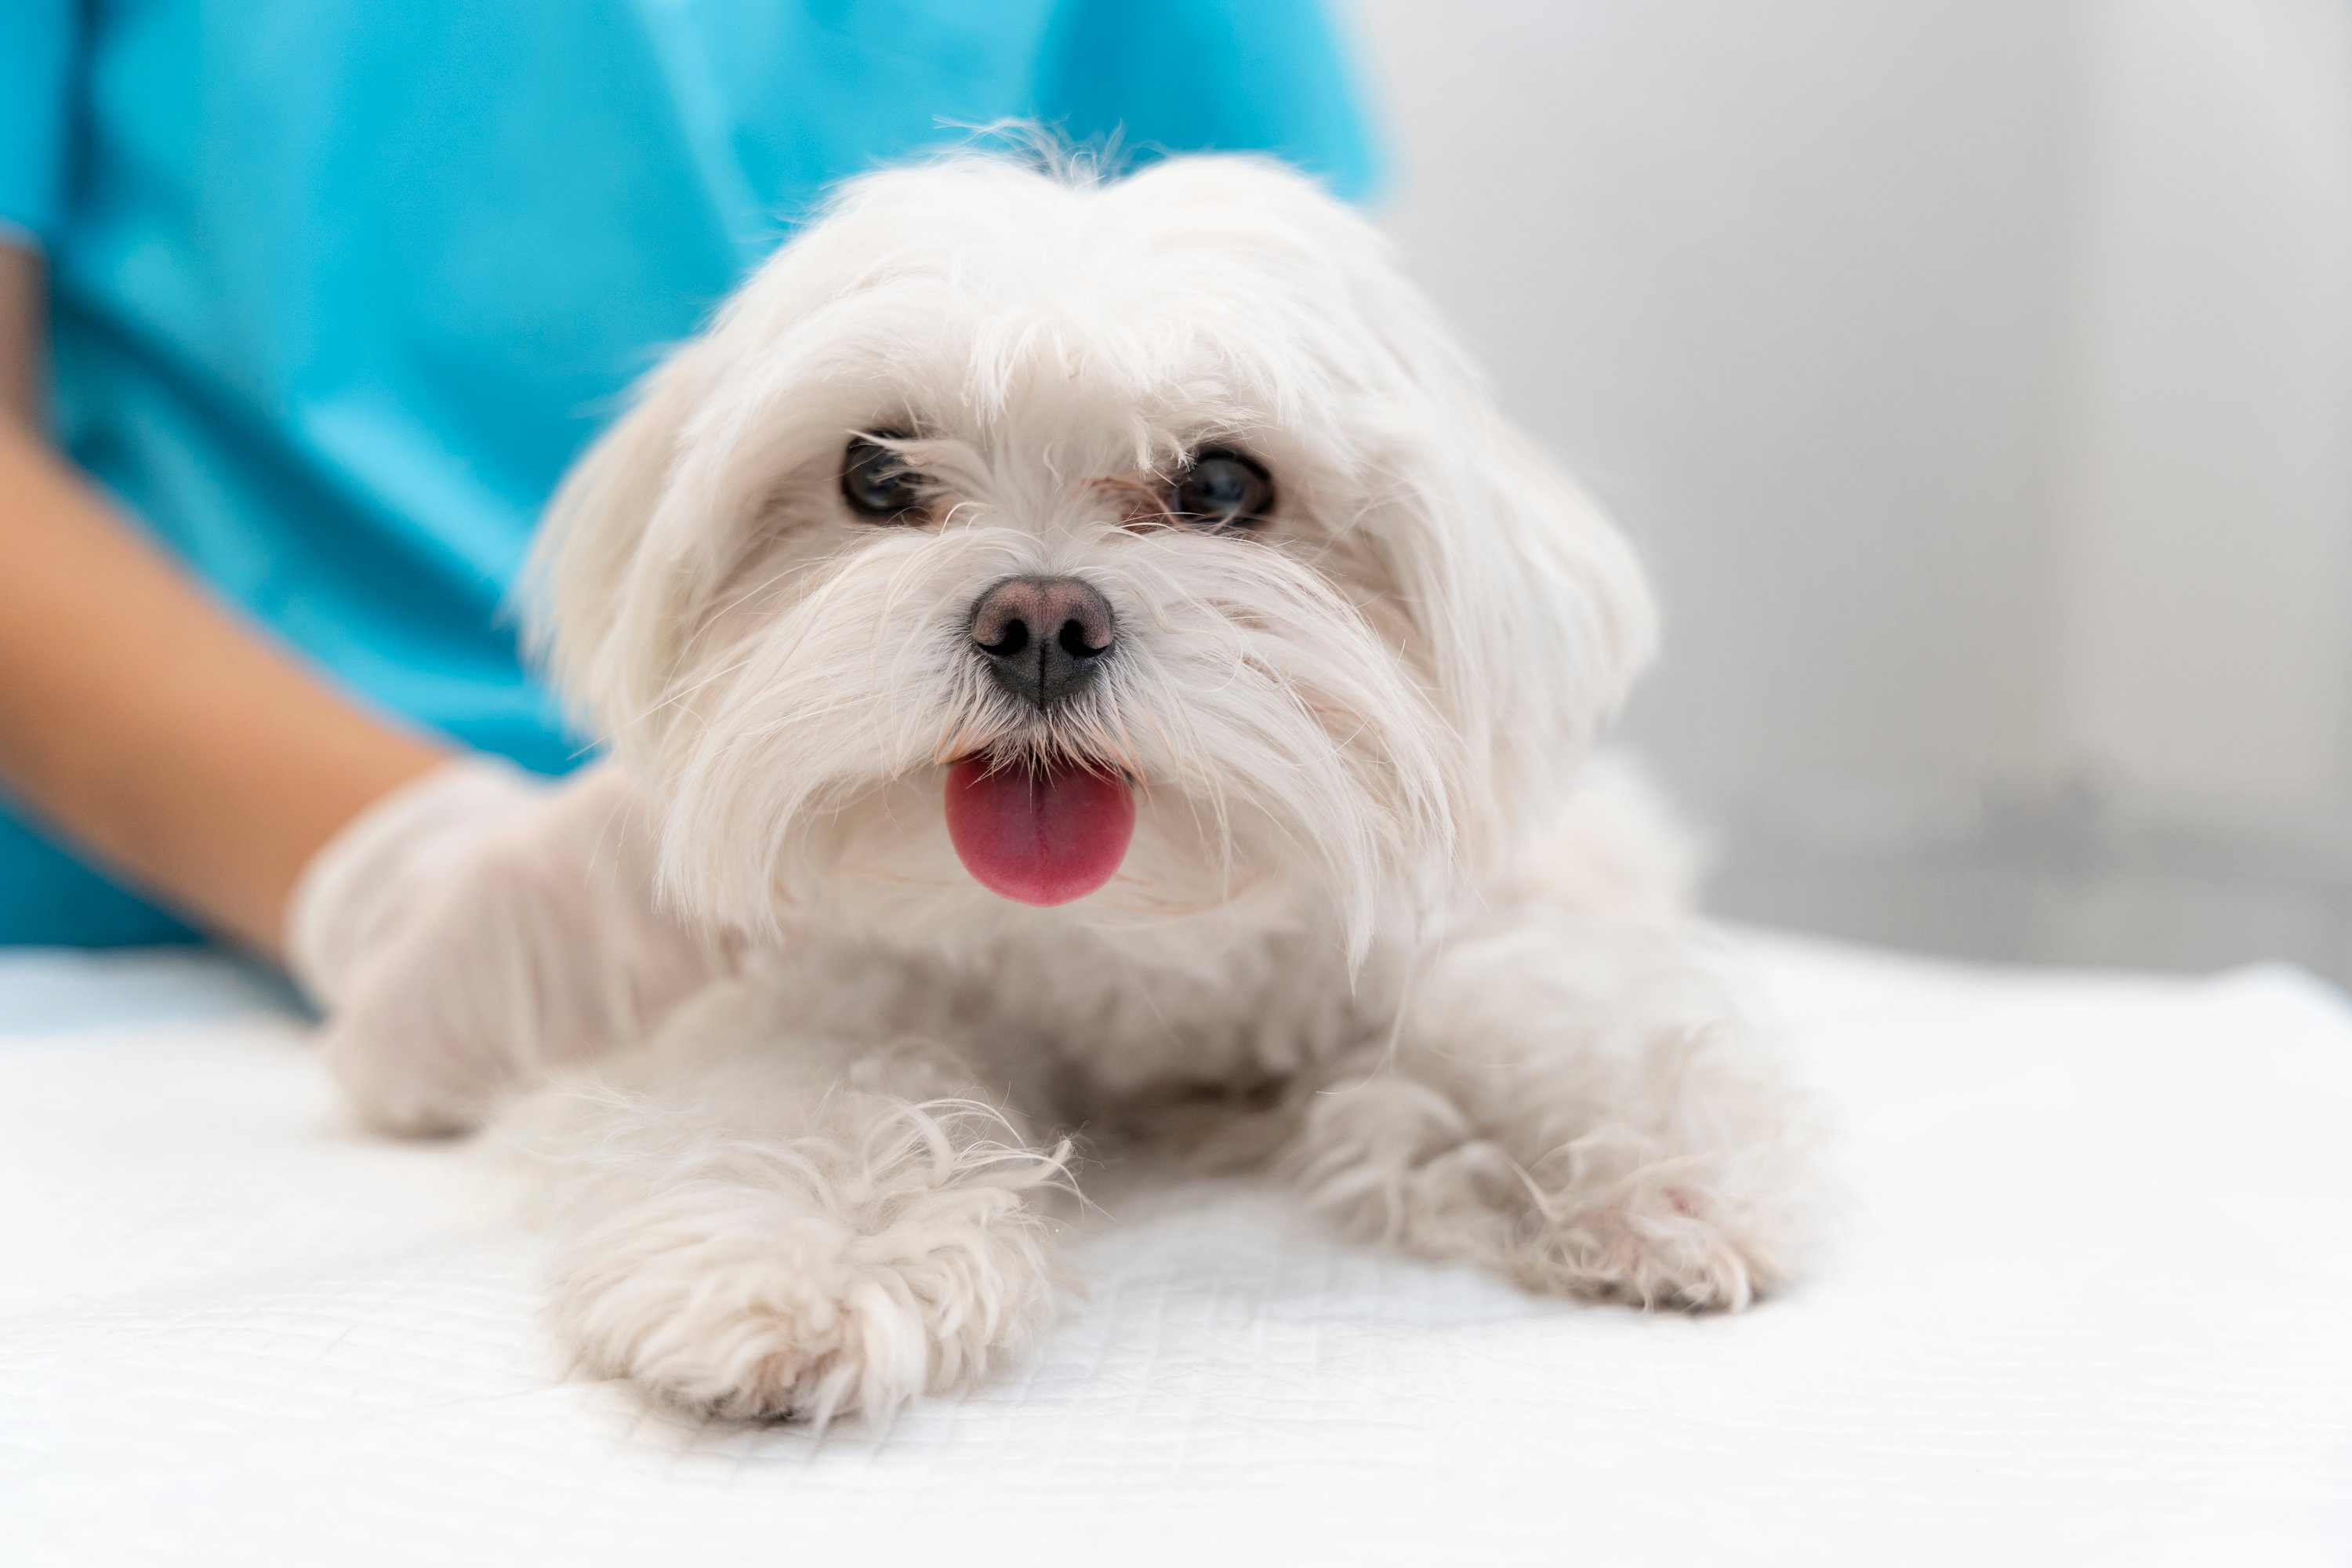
(1043, 637)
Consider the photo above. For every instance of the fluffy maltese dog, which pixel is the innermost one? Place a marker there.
(1096, 646)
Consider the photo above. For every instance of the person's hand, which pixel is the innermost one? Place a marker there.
(479, 926)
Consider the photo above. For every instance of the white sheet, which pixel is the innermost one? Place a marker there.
(2090, 1305)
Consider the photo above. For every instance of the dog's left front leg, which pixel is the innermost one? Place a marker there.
(1572, 1101)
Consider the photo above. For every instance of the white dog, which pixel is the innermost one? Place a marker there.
(1098, 651)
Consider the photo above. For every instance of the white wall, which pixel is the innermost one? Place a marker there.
(1977, 377)
(2206, 484)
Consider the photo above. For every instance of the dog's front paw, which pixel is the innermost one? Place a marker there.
(795, 1325)
(1653, 1231)
(1614, 1214)
(824, 1289)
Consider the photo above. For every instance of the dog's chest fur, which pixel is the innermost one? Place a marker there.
(1081, 1022)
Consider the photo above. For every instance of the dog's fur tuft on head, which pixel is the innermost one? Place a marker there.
(1349, 640)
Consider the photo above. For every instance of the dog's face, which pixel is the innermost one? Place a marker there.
(1140, 549)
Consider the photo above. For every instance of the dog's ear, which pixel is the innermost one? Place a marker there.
(1589, 602)
(601, 610)
(1538, 618)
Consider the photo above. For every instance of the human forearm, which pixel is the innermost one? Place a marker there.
(22, 352)
(159, 732)
(144, 719)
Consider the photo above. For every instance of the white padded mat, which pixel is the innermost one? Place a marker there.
(2089, 1305)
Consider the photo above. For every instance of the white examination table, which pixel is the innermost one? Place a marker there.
(2091, 1301)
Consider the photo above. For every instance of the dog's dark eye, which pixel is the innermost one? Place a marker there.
(1224, 489)
(876, 481)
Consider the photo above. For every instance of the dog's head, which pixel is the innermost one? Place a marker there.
(1142, 547)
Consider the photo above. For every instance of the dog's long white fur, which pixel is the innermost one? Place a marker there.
(1372, 885)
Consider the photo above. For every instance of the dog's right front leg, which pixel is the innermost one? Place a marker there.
(797, 1227)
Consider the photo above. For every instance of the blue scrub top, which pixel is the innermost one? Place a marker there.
(339, 287)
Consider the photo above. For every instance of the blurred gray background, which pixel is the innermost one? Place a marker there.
(1976, 376)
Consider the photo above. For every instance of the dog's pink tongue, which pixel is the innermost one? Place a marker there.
(1042, 837)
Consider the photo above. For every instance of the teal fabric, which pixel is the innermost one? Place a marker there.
(339, 287)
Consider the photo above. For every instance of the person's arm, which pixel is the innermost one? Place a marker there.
(166, 738)
(23, 350)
